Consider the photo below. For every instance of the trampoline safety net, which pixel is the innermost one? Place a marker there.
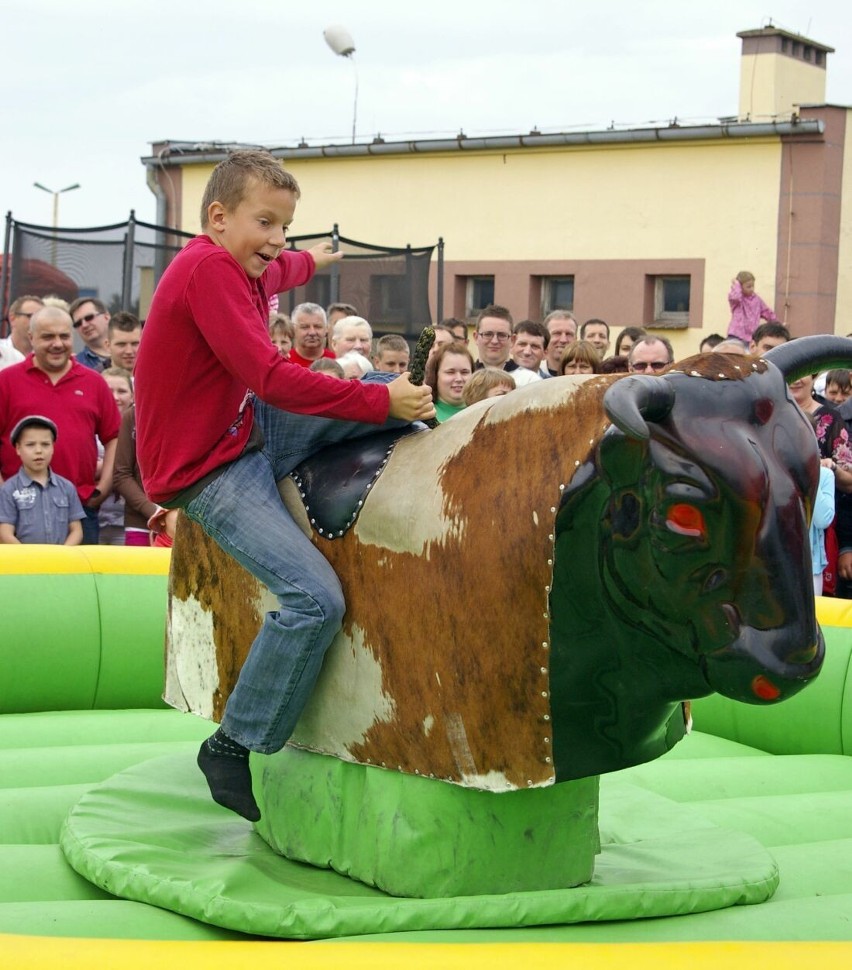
(120, 264)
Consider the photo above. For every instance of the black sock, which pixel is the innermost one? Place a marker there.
(220, 743)
(225, 765)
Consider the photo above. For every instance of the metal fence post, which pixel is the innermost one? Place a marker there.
(440, 279)
(334, 286)
(4, 273)
(412, 325)
(127, 277)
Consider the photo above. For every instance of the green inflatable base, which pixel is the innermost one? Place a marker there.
(152, 834)
(411, 836)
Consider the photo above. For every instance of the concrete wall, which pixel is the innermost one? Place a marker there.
(772, 84)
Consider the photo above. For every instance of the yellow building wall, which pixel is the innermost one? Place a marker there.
(771, 84)
(843, 316)
(193, 180)
(713, 200)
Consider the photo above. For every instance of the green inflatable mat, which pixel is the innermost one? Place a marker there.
(152, 834)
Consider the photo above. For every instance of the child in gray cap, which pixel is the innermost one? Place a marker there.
(36, 504)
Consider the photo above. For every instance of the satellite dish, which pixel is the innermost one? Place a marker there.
(339, 40)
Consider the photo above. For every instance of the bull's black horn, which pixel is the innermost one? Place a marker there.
(809, 355)
(633, 401)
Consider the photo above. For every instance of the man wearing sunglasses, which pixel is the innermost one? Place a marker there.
(650, 355)
(91, 319)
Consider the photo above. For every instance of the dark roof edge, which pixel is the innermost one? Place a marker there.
(779, 32)
(181, 153)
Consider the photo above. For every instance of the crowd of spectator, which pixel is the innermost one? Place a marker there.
(67, 420)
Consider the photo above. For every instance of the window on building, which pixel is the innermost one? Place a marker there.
(557, 293)
(671, 300)
(480, 294)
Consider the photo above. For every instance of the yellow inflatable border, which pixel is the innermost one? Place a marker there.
(67, 560)
(73, 953)
(29, 953)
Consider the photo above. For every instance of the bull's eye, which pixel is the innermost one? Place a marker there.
(686, 520)
(714, 580)
(763, 410)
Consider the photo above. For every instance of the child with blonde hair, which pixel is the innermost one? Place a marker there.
(281, 332)
(487, 382)
(254, 419)
(393, 354)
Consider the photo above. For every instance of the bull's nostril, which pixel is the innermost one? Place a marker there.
(732, 615)
(763, 688)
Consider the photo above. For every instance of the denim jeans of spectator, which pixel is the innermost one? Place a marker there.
(242, 511)
(91, 527)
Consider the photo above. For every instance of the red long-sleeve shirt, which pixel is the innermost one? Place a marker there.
(206, 344)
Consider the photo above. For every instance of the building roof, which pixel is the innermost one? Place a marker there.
(179, 153)
(773, 40)
(771, 31)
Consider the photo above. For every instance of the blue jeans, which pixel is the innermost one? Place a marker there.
(91, 526)
(242, 512)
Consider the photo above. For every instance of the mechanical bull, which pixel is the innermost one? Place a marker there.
(534, 587)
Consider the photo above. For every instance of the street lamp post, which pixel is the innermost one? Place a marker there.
(56, 195)
(340, 41)
(44, 188)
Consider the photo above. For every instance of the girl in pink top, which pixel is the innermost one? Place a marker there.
(747, 308)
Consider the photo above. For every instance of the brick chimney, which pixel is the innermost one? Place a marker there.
(778, 72)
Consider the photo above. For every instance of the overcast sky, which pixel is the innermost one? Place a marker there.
(88, 84)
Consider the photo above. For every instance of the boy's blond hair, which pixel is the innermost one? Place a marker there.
(484, 380)
(229, 181)
(744, 276)
(392, 341)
